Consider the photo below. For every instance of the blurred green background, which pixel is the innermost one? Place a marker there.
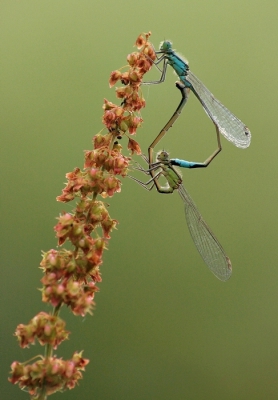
(164, 327)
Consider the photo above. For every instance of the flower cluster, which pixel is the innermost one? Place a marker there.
(48, 329)
(70, 276)
(48, 375)
(123, 118)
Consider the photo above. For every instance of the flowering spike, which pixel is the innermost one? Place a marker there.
(70, 276)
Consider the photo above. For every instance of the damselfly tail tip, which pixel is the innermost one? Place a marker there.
(180, 85)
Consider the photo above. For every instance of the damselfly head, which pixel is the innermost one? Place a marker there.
(165, 46)
(162, 156)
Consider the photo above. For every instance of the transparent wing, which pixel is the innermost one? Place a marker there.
(229, 125)
(208, 246)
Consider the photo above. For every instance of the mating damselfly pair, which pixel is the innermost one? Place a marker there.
(226, 123)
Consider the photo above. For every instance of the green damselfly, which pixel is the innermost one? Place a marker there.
(205, 241)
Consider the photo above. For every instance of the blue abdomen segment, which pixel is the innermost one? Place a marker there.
(183, 163)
